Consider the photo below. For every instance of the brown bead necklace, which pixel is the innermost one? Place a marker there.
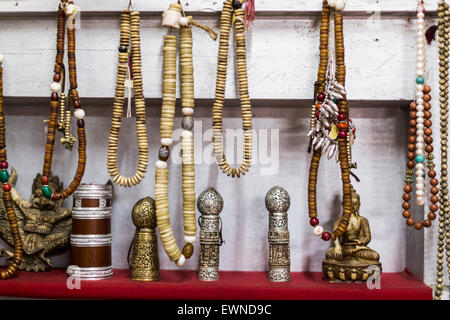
(7, 199)
(330, 127)
(66, 11)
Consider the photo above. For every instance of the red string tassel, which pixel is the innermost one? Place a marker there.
(249, 12)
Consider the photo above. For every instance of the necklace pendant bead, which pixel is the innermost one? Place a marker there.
(4, 176)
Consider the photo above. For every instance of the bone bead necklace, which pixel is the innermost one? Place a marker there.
(130, 24)
(444, 212)
(7, 199)
(67, 10)
(174, 18)
(330, 127)
(230, 6)
(420, 149)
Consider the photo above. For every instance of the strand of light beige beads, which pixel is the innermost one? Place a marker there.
(174, 18)
(130, 30)
(246, 110)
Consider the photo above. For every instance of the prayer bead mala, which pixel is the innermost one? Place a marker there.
(7, 199)
(444, 212)
(174, 18)
(330, 113)
(246, 109)
(67, 10)
(130, 24)
(420, 140)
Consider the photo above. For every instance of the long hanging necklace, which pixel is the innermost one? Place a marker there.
(67, 10)
(230, 6)
(7, 199)
(331, 131)
(174, 18)
(420, 140)
(444, 212)
(130, 24)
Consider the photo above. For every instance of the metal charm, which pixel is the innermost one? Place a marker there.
(278, 202)
(210, 204)
(145, 261)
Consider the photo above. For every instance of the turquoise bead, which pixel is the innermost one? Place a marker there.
(420, 80)
(420, 158)
(336, 100)
(4, 176)
(47, 191)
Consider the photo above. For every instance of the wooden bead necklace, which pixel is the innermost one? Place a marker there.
(444, 212)
(130, 24)
(66, 10)
(7, 199)
(331, 131)
(174, 18)
(420, 140)
(246, 109)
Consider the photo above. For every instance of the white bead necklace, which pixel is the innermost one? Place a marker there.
(420, 80)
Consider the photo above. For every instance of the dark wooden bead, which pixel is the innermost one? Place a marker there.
(429, 148)
(434, 199)
(411, 155)
(411, 164)
(411, 147)
(77, 104)
(406, 205)
(432, 216)
(427, 223)
(164, 153)
(434, 182)
(427, 123)
(188, 250)
(434, 190)
(434, 207)
(123, 49)
(80, 123)
(54, 96)
(412, 139)
(406, 214)
(57, 77)
(410, 222)
(407, 188)
(418, 225)
(428, 140)
(406, 197)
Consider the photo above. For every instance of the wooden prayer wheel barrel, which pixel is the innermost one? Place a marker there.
(91, 232)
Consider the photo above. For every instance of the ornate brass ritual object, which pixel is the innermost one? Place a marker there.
(350, 259)
(210, 204)
(278, 203)
(145, 260)
(44, 224)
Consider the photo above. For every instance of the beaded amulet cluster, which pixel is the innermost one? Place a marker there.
(7, 198)
(66, 11)
(420, 149)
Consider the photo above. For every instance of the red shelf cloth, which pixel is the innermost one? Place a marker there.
(232, 285)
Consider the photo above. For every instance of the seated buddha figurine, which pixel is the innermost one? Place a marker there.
(351, 259)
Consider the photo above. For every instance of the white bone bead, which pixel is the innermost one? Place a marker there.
(79, 114)
(161, 164)
(318, 230)
(187, 111)
(166, 141)
(190, 239)
(181, 261)
(55, 87)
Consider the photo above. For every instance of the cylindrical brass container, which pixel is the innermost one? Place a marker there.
(210, 204)
(145, 260)
(91, 232)
(278, 203)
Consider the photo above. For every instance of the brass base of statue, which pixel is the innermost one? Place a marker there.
(350, 270)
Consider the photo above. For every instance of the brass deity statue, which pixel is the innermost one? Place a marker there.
(44, 224)
(351, 259)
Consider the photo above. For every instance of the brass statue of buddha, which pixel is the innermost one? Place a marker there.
(351, 259)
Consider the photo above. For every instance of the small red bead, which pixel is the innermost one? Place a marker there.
(342, 134)
(80, 123)
(45, 180)
(54, 96)
(320, 97)
(4, 164)
(6, 187)
(77, 104)
(326, 236)
(342, 116)
(314, 222)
